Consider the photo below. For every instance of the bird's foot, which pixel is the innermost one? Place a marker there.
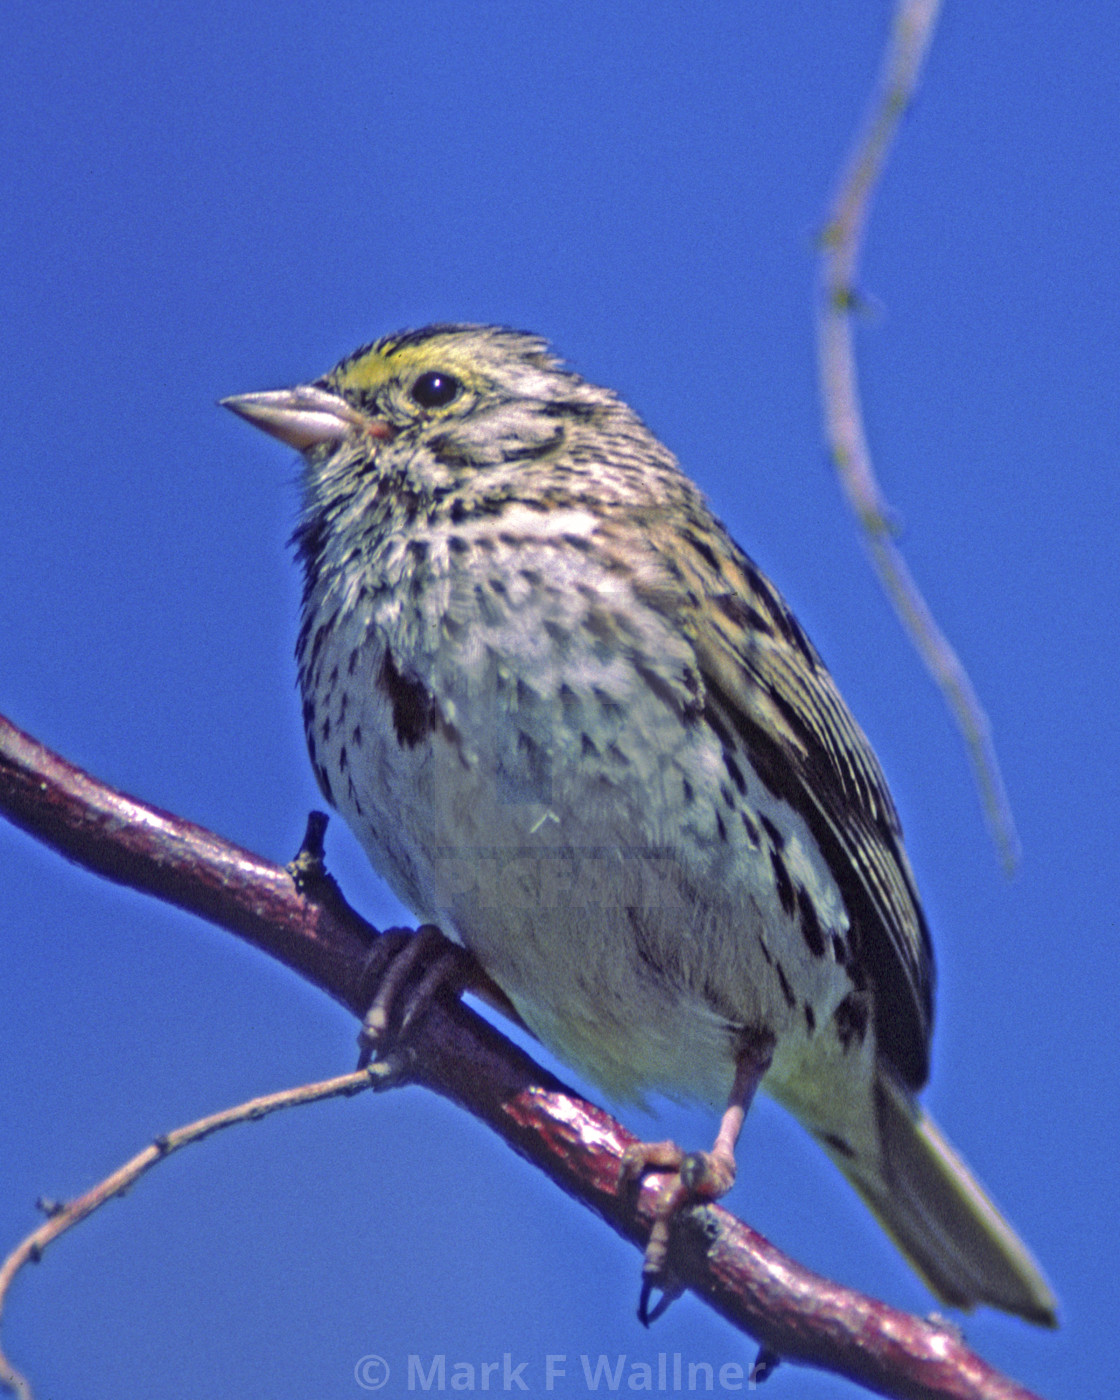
(689, 1177)
(405, 972)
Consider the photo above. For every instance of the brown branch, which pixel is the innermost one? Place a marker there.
(842, 243)
(793, 1313)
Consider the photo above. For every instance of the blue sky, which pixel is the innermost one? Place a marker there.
(207, 199)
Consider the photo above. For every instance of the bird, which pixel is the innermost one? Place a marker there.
(577, 728)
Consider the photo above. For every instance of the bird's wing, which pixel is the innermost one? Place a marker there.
(765, 681)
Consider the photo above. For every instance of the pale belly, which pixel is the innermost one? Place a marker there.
(641, 911)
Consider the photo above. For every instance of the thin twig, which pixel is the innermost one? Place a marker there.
(911, 33)
(792, 1312)
(64, 1217)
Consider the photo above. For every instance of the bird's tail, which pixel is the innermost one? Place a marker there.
(940, 1216)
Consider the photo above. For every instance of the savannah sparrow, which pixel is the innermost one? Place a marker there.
(577, 728)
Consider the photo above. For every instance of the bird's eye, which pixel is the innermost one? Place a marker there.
(435, 389)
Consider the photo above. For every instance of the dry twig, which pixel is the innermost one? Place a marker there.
(63, 1217)
(842, 243)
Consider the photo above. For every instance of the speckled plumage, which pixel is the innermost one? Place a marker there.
(575, 726)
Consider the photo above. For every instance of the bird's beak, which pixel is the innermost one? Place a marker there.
(304, 417)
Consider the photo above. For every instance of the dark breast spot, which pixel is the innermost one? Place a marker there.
(610, 707)
(735, 773)
(413, 705)
(810, 924)
(783, 883)
(661, 688)
(850, 1019)
(837, 1143)
(772, 831)
(324, 782)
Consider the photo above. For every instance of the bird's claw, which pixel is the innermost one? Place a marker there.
(670, 1291)
(765, 1364)
(404, 974)
(692, 1176)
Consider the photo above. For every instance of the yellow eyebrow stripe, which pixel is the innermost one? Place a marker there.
(382, 362)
